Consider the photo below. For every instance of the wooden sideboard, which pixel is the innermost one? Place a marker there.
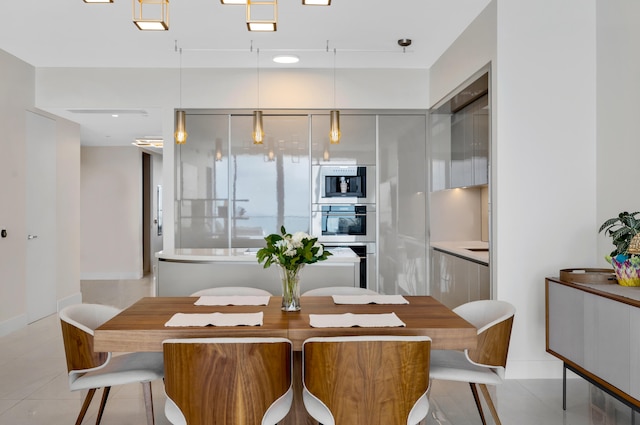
(595, 330)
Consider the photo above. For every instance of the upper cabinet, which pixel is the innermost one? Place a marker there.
(357, 144)
(459, 134)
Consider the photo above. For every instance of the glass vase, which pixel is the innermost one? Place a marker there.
(290, 288)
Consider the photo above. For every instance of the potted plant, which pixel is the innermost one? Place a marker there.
(624, 231)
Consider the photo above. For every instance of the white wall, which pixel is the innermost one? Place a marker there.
(17, 94)
(618, 94)
(17, 91)
(111, 211)
(456, 215)
(68, 212)
(543, 200)
(545, 160)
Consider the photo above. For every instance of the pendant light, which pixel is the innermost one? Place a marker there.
(334, 126)
(141, 19)
(181, 116)
(258, 130)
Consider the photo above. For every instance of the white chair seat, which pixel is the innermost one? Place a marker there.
(90, 370)
(121, 370)
(231, 290)
(485, 364)
(451, 365)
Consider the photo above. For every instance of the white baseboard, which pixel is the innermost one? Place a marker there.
(111, 276)
(13, 324)
(70, 300)
(542, 369)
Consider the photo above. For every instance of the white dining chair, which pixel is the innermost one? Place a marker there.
(231, 381)
(231, 290)
(338, 290)
(366, 380)
(89, 370)
(485, 365)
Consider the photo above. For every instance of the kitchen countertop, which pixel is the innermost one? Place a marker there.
(340, 255)
(473, 250)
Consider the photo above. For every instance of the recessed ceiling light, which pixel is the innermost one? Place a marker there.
(114, 115)
(152, 142)
(286, 59)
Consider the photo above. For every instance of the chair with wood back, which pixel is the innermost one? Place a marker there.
(366, 380)
(485, 365)
(231, 381)
(89, 370)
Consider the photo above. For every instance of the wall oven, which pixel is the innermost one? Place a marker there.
(352, 226)
(343, 223)
(343, 184)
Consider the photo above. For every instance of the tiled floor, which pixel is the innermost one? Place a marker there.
(34, 389)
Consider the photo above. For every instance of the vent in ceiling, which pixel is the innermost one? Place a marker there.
(110, 111)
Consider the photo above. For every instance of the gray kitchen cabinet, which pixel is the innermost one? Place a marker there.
(440, 139)
(456, 280)
(470, 144)
(402, 249)
(459, 131)
(231, 192)
(357, 145)
(592, 329)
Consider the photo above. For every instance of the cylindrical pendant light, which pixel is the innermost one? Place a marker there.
(180, 134)
(334, 126)
(334, 132)
(181, 128)
(258, 131)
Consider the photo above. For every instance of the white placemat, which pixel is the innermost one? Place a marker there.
(349, 320)
(233, 300)
(369, 299)
(216, 319)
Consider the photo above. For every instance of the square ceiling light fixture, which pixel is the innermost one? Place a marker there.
(151, 15)
(316, 2)
(98, 1)
(262, 15)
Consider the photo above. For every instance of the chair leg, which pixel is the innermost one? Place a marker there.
(105, 395)
(148, 402)
(492, 408)
(476, 398)
(85, 405)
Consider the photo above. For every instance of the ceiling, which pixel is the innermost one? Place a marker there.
(363, 34)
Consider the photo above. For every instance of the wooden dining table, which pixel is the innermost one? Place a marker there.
(141, 327)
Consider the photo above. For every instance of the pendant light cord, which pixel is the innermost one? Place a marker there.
(334, 78)
(180, 75)
(258, 75)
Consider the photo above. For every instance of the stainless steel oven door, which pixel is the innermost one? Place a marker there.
(343, 223)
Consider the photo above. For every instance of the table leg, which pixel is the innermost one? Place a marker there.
(298, 415)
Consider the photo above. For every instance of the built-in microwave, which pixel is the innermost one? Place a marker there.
(340, 184)
(343, 223)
